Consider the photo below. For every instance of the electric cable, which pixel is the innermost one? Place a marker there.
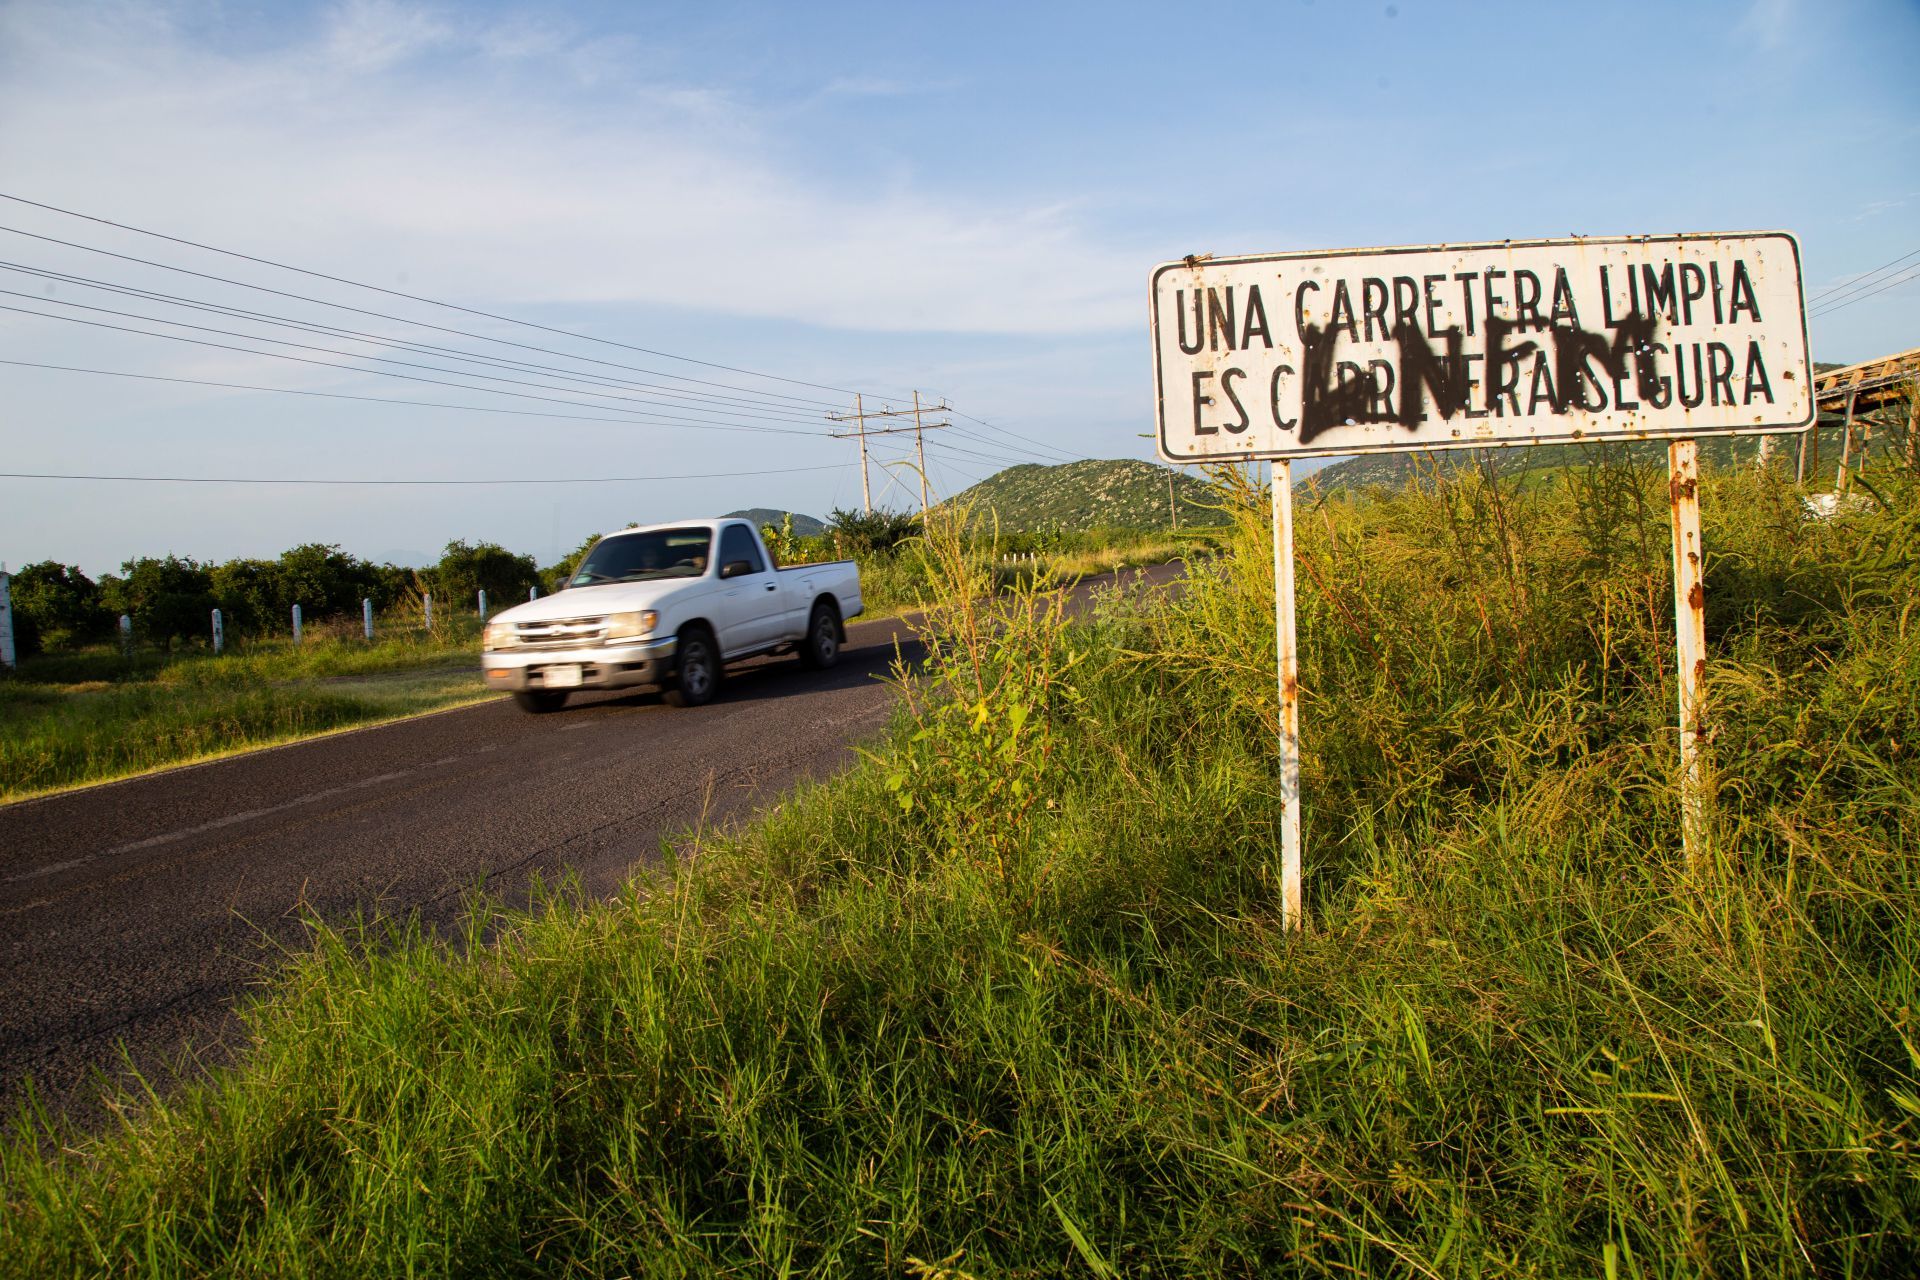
(662, 420)
(422, 324)
(405, 344)
(1850, 285)
(355, 355)
(706, 475)
(1908, 277)
(414, 297)
(341, 395)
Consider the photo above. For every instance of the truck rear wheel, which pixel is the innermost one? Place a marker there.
(539, 702)
(821, 647)
(697, 673)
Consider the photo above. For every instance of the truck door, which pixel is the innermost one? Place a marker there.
(750, 603)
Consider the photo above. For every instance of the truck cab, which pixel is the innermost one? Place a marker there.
(668, 605)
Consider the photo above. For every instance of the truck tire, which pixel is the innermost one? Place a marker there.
(539, 702)
(820, 647)
(696, 672)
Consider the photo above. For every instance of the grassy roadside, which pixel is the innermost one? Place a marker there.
(70, 720)
(1011, 998)
(73, 719)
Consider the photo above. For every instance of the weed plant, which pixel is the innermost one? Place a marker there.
(1012, 997)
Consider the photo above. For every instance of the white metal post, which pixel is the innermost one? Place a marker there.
(483, 605)
(9, 656)
(219, 633)
(366, 616)
(426, 602)
(1287, 641)
(126, 635)
(533, 593)
(1690, 629)
(296, 626)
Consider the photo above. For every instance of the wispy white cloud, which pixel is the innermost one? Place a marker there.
(513, 162)
(1769, 23)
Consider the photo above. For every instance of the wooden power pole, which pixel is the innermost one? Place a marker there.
(920, 426)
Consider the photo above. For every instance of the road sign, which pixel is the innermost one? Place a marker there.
(1300, 355)
(1295, 355)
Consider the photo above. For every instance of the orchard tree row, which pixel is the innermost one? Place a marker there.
(171, 598)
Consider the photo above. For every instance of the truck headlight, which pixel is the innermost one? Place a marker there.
(631, 626)
(498, 635)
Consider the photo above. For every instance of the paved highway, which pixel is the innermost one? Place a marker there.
(132, 914)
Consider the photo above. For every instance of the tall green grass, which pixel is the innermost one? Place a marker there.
(1012, 997)
(70, 719)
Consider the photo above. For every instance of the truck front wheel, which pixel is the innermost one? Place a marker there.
(698, 671)
(821, 647)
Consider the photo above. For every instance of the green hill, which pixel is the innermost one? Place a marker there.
(1114, 493)
(803, 526)
(1391, 470)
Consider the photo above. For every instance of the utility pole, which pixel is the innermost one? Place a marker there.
(920, 426)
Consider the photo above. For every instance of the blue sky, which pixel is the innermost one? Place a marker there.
(963, 199)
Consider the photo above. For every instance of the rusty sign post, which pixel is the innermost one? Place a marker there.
(1690, 636)
(1287, 646)
(1302, 355)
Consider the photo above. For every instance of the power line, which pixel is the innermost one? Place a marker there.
(424, 348)
(1907, 277)
(1020, 439)
(340, 395)
(1850, 285)
(413, 297)
(355, 355)
(724, 408)
(662, 420)
(705, 475)
(421, 324)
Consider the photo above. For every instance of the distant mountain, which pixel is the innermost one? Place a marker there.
(1392, 470)
(1118, 493)
(803, 526)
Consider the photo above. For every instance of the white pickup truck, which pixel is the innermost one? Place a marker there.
(668, 605)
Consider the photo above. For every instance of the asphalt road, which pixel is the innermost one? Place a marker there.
(133, 914)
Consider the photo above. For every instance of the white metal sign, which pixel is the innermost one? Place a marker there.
(1296, 355)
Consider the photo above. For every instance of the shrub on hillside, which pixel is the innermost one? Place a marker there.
(880, 531)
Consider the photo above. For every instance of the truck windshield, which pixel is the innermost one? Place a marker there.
(638, 557)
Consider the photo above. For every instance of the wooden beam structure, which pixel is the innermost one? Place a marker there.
(1874, 384)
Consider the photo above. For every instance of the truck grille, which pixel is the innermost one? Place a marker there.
(562, 633)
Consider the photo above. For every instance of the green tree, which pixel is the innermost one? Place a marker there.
(56, 606)
(322, 579)
(556, 575)
(248, 593)
(466, 568)
(170, 598)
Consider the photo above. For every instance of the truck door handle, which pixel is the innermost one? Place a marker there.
(772, 586)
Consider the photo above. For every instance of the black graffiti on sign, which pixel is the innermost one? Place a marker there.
(1338, 396)
(1538, 360)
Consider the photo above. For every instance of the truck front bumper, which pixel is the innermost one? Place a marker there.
(614, 666)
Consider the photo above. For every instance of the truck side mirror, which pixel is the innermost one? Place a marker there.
(736, 568)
